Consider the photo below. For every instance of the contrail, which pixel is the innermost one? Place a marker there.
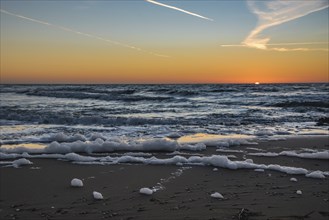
(276, 12)
(81, 33)
(178, 9)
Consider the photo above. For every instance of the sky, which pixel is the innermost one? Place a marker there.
(162, 41)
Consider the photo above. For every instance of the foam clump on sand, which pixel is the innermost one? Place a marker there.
(316, 174)
(299, 192)
(76, 182)
(215, 169)
(217, 195)
(97, 195)
(146, 191)
(259, 170)
(21, 162)
(293, 179)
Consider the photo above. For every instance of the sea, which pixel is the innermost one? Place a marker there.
(141, 119)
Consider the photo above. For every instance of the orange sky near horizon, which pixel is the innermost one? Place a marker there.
(97, 64)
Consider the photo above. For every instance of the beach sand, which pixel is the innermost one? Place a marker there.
(43, 191)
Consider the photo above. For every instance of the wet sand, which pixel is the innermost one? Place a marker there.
(45, 193)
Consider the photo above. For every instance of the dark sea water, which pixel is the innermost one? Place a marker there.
(130, 122)
(157, 109)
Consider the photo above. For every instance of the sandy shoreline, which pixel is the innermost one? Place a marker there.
(45, 193)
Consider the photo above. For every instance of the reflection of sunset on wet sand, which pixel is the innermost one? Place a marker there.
(211, 138)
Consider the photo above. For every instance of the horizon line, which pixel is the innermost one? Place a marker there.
(185, 83)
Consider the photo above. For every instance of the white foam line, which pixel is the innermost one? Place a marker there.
(178, 9)
(81, 33)
(214, 160)
(320, 155)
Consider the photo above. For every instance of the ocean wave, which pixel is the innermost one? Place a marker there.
(124, 96)
(64, 118)
(117, 116)
(226, 107)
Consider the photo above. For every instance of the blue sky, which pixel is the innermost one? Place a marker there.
(140, 22)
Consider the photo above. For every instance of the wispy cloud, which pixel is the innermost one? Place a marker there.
(179, 9)
(81, 33)
(285, 49)
(276, 12)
